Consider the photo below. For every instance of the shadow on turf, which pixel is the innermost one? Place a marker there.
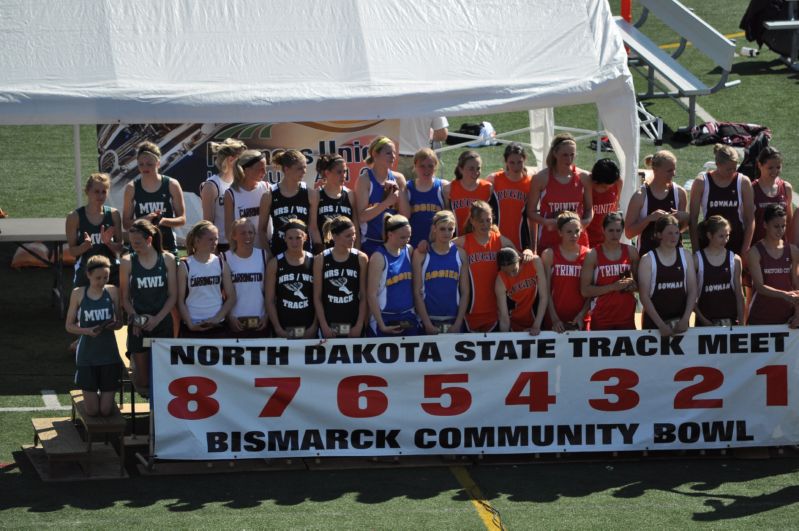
(715, 481)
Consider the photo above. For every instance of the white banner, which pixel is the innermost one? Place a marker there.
(476, 394)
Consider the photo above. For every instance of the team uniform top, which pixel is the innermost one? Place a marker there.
(565, 289)
(762, 201)
(204, 287)
(646, 240)
(777, 274)
(219, 205)
(372, 230)
(100, 350)
(521, 292)
(247, 203)
(247, 275)
(395, 292)
(341, 287)
(294, 292)
(95, 234)
(440, 286)
(145, 202)
(331, 207)
(556, 198)
(483, 270)
(614, 310)
(716, 296)
(424, 205)
(512, 208)
(461, 199)
(667, 288)
(604, 203)
(148, 287)
(725, 202)
(284, 208)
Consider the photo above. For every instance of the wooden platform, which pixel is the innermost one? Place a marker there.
(112, 425)
(59, 439)
(105, 465)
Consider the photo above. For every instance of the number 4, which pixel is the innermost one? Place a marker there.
(538, 398)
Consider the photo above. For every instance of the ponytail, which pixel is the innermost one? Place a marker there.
(148, 230)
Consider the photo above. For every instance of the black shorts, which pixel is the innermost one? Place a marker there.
(163, 329)
(95, 378)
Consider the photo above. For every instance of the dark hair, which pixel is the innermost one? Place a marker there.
(507, 256)
(463, 158)
(97, 261)
(335, 226)
(665, 221)
(392, 223)
(711, 225)
(773, 210)
(565, 217)
(147, 229)
(514, 148)
(605, 171)
(327, 161)
(287, 157)
(768, 153)
(612, 217)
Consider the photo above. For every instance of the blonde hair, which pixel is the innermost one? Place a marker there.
(238, 223)
(555, 146)
(724, 153)
(476, 208)
(230, 147)
(286, 158)
(100, 178)
(335, 226)
(424, 154)
(149, 148)
(392, 223)
(659, 159)
(376, 145)
(442, 216)
(199, 229)
(247, 159)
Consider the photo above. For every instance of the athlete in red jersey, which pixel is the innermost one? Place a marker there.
(656, 199)
(568, 309)
(481, 242)
(511, 188)
(667, 284)
(773, 266)
(467, 188)
(718, 276)
(608, 278)
(516, 289)
(605, 191)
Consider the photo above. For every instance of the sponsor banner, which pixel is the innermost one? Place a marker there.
(186, 151)
(476, 394)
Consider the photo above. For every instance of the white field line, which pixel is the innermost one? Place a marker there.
(50, 400)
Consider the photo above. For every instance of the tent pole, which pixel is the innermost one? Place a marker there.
(76, 148)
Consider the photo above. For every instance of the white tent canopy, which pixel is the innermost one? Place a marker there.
(178, 61)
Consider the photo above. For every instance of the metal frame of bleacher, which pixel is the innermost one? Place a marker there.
(666, 77)
(791, 24)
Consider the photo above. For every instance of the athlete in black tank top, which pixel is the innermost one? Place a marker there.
(284, 208)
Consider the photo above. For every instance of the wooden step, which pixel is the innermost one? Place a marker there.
(59, 438)
(114, 423)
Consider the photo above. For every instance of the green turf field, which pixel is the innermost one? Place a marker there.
(37, 179)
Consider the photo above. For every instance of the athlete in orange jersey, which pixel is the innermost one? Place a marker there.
(511, 188)
(516, 287)
(605, 192)
(481, 242)
(559, 187)
(468, 188)
(568, 310)
(608, 279)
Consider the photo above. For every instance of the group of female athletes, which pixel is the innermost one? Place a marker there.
(425, 256)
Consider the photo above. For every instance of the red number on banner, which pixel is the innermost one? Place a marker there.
(711, 380)
(200, 395)
(626, 398)
(538, 399)
(459, 398)
(776, 384)
(285, 389)
(350, 396)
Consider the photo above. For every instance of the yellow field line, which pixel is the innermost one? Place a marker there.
(677, 44)
(488, 514)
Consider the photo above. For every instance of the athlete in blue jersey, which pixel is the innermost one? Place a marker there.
(441, 279)
(425, 195)
(390, 282)
(379, 192)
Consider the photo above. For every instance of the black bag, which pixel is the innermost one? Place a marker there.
(749, 165)
(466, 129)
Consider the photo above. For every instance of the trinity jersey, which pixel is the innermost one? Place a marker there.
(558, 197)
(247, 275)
(604, 203)
(461, 199)
(285, 208)
(512, 208)
(204, 287)
(145, 202)
(521, 292)
(341, 287)
(424, 206)
(440, 283)
(727, 203)
(614, 310)
(102, 349)
(777, 273)
(294, 292)
(667, 288)
(716, 288)
(565, 288)
(483, 270)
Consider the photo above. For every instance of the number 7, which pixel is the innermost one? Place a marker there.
(285, 390)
